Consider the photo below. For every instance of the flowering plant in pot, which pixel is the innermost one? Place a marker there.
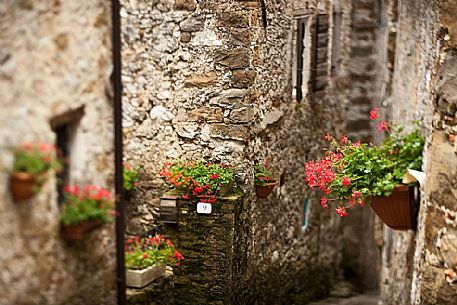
(199, 179)
(350, 174)
(84, 210)
(130, 178)
(31, 163)
(146, 259)
(264, 181)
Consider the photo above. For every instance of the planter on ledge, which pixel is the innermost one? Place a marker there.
(141, 278)
(80, 230)
(22, 185)
(398, 211)
(263, 191)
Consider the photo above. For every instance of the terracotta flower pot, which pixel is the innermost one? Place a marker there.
(398, 211)
(22, 186)
(263, 191)
(80, 230)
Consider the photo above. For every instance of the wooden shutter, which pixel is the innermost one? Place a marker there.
(319, 64)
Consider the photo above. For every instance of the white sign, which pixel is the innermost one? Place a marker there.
(204, 208)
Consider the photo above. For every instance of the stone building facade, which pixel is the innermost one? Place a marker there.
(420, 267)
(55, 65)
(240, 82)
(217, 80)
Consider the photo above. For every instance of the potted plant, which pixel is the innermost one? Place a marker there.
(130, 178)
(352, 174)
(264, 181)
(84, 210)
(201, 179)
(31, 163)
(146, 259)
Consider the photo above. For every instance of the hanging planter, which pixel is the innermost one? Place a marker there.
(350, 173)
(31, 164)
(84, 210)
(397, 211)
(264, 181)
(80, 230)
(263, 191)
(22, 186)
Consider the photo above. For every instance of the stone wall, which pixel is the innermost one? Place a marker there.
(55, 56)
(419, 267)
(213, 80)
(212, 247)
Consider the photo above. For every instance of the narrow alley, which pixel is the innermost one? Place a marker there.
(238, 152)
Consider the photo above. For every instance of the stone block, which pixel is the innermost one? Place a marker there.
(240, 37)
(206, 114)
(185, 37)
(235, 59)
(161, 113)
(243, 78)
(232, 132)
(185, 5)
(230, 98)
(242, 115)
(201, 80)
(192, 25)
(237, 19)
(186, 130)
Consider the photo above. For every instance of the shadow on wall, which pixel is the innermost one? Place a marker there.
(286, 285)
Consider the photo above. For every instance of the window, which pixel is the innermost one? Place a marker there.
(310, 59)
(319, 64)
(336, 43)
(64, 126)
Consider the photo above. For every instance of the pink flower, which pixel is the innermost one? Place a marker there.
(214, 176)
(345, 181)
(185, 196)
(382, 126)
(27, 146)
(356, 194)
(341, 211)
(324, 202)
(374, 113)
(328, 137)
(212, 199)
(72, 190)
(356, 144)
(344, 139)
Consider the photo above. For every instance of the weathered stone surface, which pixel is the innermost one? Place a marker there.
(208, 243)
(242, 115)
(191, 25)
(239, 58)
(161, 113)
(186, 5)
(55, 57)
(201, 80)
(159, 292)
(234, 132)
(243, 78)
(206, 114)
(240, 37)
(185, 37)
(237, 19)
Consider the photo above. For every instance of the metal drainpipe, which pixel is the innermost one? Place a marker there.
(119, 179)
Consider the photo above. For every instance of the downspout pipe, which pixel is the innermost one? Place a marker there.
(118, 151)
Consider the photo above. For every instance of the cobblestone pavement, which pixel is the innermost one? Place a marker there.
(363, 299)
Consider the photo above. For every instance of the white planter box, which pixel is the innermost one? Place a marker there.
(141, 278)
